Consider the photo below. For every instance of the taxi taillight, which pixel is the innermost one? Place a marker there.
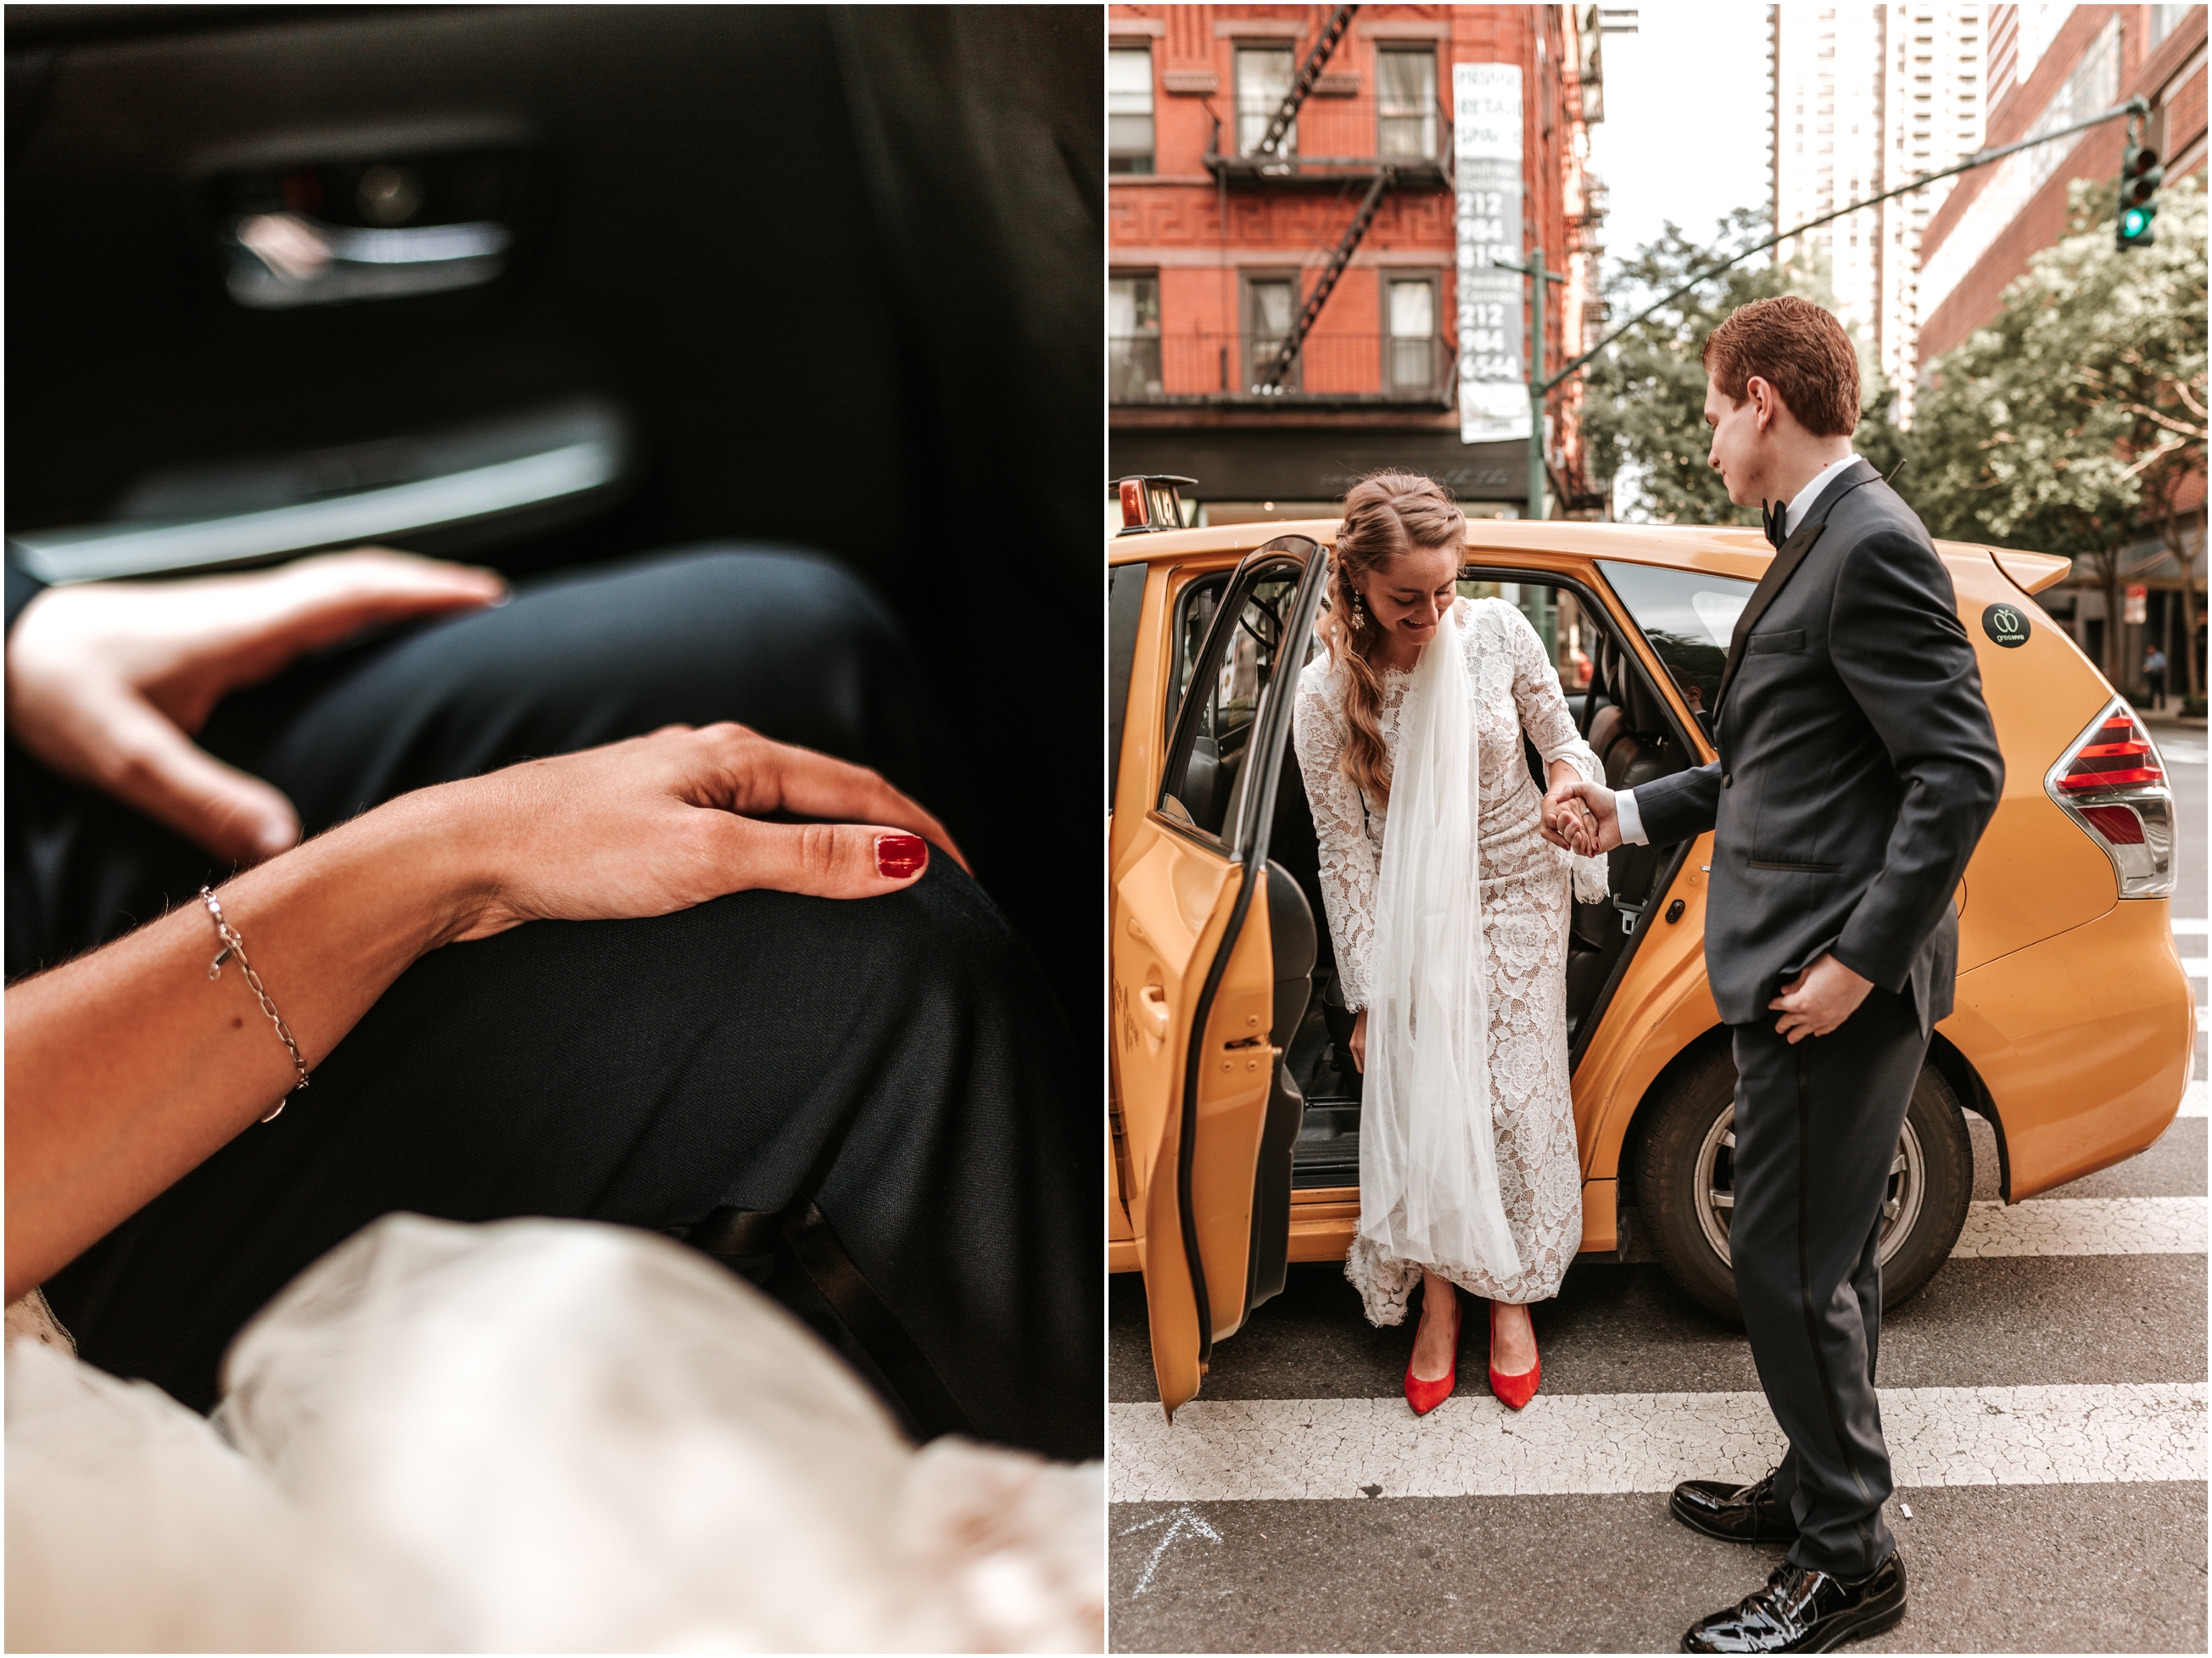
(2112, 782)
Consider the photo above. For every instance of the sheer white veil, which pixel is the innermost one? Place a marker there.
(1428, 1160)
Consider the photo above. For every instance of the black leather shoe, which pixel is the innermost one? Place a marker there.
(1735, 1514)
(1800, 1610)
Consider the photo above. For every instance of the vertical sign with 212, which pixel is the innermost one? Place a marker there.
(1493, 393)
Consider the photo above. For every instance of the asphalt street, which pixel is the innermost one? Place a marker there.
(2067, 1356)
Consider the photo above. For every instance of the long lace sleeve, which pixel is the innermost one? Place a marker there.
(1542, 706)
(1348, 858)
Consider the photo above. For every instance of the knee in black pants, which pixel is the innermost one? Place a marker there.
(649, 1072)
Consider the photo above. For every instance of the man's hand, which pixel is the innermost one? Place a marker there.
(1818, 999)
(109, 681)
(1581, 818)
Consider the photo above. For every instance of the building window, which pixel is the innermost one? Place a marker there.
(1406, 102)
(1410, 320)
(1129, 110)
(1264, 75)
(1270, 305)
(2164, 20)
(1133, 330)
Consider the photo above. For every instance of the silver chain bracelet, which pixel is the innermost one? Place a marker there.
(234, 946)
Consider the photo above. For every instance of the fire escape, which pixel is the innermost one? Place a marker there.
(1266, 167)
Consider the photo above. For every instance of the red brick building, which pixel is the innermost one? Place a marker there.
(2049, 66)
(1996, 218)
(1227, 222)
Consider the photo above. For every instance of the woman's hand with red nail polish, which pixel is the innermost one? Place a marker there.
(662, 822)
(900, 857)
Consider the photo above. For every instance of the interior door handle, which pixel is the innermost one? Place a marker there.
(1153, 1003)
(279, 260)
(519, 469)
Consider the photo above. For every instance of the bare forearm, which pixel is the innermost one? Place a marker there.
(128, 1067)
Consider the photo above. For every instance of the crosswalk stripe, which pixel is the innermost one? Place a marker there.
(2189, 926)
(2204, 1023)
(1236, 1450)
(2084, 1226)
(2194, 966)
(2193, 1102)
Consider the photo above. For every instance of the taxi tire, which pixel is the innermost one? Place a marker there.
(1671, 1134)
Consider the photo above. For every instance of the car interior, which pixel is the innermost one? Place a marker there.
(1636, 740)
(544, 285)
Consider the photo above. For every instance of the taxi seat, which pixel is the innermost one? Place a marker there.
(1201, 780)
(1635, 743)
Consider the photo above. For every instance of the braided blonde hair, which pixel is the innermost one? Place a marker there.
(1385, 513)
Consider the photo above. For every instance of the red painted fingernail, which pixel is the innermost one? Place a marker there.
(898, 856)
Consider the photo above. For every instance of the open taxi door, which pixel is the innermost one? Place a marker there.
(1210, 949)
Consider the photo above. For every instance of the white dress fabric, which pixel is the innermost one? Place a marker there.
(529, 1436)
(1524, 891)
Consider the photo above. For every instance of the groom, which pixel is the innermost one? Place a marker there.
(1857, 770)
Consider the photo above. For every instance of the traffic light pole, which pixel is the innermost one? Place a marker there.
(1540, 386)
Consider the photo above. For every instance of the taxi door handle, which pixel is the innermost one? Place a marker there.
(1153, 1003)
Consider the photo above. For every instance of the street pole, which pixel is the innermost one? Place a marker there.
(1539, 387)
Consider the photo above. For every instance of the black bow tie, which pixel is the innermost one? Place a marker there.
(1773, 519)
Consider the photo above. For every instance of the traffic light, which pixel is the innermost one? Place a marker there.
(2140, 175)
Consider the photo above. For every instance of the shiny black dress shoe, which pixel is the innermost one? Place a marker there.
(1802, 1610)
(1733, 1513)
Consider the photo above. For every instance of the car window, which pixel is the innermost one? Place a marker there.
(1201, 780)
(1125, 612)
(1689, 617)
(1194, 609)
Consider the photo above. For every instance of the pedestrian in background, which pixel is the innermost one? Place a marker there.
(2154, 675)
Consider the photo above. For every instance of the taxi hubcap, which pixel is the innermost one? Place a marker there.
(1715, 1177)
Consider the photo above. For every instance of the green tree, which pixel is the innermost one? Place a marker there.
(1644, 402)
(2075, 420)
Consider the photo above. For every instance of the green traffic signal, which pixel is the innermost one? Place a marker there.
(2140, 175)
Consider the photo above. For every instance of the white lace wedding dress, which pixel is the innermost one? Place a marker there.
(1526, 885)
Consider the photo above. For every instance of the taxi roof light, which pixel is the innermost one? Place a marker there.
(2112, 782)
(1151, 502)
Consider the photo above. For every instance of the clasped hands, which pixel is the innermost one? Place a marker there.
(1581, 817)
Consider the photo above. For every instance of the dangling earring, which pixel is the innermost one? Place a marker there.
(1358, 610)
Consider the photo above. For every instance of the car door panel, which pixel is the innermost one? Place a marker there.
(1196, 980)
(1173, 902)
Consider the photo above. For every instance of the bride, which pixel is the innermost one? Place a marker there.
(1451, 929)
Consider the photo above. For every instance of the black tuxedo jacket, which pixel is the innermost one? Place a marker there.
(1857, 768)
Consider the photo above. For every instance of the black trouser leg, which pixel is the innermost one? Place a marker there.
(780, 640)
(1817, 1126)
(650, 1072)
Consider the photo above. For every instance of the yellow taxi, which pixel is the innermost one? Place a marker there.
(1234, 1113)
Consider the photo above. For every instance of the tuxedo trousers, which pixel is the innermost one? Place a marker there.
(1816, 1130)
(872, 1108)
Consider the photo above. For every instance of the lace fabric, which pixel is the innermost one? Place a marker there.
(1526, 888)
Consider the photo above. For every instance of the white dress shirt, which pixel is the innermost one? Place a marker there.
(1623, 803)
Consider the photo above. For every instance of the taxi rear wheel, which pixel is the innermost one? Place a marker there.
(1685, 1186)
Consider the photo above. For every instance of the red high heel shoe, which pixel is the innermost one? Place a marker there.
(1512, 1391)
(1426, 1396)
